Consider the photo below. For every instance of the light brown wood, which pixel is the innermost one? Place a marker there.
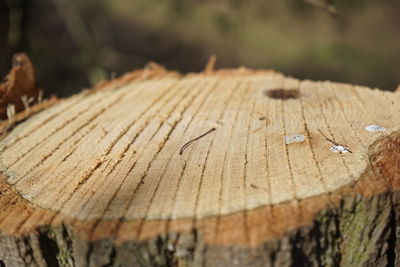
(107, 162)
(115, 153)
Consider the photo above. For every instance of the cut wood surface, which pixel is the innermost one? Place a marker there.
(108, 164)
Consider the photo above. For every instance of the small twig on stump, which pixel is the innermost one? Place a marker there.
(191, 141)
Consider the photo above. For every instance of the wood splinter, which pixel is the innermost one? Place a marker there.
(195, 139)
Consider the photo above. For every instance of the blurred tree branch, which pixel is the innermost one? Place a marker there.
(326, 5)
(4, 28)
(82, 36)
(73, 22)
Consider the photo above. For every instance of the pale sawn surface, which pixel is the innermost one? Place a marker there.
(115, 153)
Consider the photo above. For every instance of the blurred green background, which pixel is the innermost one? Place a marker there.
(75, 43)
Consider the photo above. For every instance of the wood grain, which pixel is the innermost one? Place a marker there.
(107, 162)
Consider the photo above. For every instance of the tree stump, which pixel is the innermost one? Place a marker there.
(229, 167)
